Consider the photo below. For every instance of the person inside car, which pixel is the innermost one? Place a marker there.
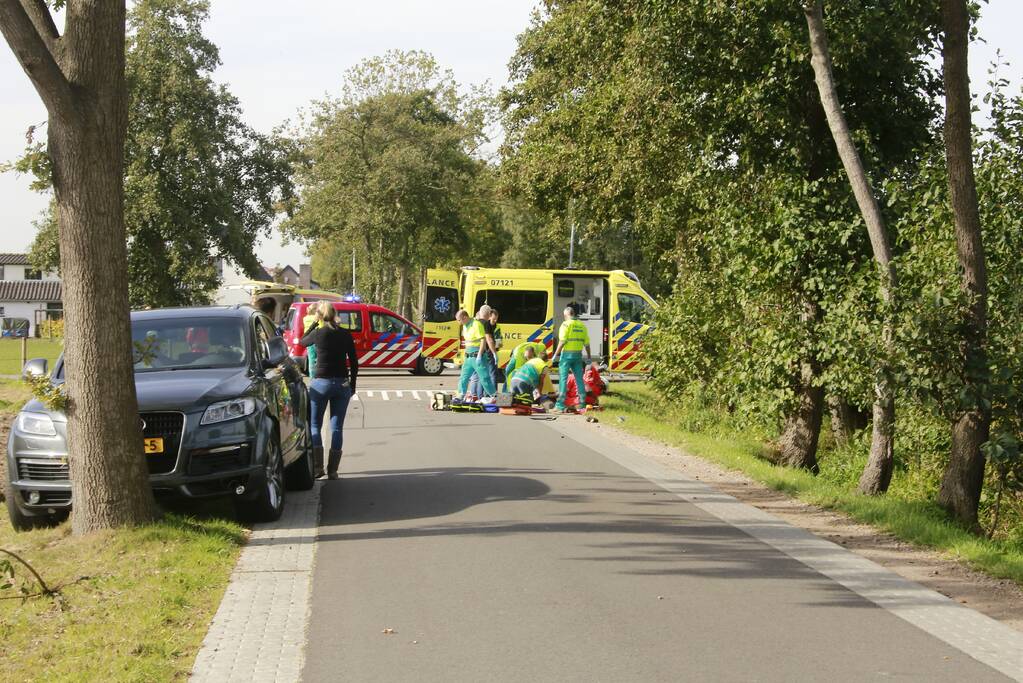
(225, 347)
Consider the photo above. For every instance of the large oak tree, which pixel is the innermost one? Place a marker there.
(79, 75)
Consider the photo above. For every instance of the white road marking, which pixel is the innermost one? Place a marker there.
(403, 394)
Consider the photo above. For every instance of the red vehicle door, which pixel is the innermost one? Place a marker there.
(392, 342)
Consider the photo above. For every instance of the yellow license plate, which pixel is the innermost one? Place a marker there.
(153, 445)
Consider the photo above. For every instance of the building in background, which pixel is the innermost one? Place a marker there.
(27, 296)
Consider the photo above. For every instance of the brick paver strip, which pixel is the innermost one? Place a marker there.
(258, 633)
(976, 634)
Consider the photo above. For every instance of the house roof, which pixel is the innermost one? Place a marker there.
(30, 290)
(14, 260)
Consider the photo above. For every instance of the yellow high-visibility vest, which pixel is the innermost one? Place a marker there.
(520, 352)
(473, 332)
(531, 371)
(573, 335)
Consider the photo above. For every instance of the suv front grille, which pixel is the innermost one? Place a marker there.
(167, 426)
(42, 470)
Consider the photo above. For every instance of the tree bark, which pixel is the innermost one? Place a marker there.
(877, 474)
(80, 78)
(797, 445)
(846, 419)
(403, 290)
(964, 476)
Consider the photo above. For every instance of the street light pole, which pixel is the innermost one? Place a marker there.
(571, 245)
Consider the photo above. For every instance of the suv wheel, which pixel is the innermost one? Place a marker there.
(429, 366)
(268, 504)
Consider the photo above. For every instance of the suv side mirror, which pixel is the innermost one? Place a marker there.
(37, 367)
(276, 352)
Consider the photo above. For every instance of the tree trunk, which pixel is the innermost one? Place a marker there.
(403, 290)
(964, 476)
(80, 78)
(846, 419)
(797, 445)
(878, 472)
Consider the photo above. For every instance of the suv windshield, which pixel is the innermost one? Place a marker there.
(188, 344)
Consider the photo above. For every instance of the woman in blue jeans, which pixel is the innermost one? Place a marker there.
(337, 367)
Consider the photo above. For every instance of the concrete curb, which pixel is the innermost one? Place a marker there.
(259, 631)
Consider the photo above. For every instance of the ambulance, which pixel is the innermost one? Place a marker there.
(612, 304)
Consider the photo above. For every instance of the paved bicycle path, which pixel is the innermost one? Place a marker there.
(469, 547)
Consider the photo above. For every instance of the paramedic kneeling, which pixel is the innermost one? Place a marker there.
(572, 339)
(528, 378)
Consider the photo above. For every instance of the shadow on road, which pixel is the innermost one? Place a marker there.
(416, 494)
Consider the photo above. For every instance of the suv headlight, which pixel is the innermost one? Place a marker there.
(37, 424)
(228, 410)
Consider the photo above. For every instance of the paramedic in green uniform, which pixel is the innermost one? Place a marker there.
(572, 339)
(528, 378)
(518, 358)
(479, 340)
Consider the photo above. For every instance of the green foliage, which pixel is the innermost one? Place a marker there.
(719, 158)
(52, 329)
(388, 170)
(49, 394)
(908, 511)
(199, 183)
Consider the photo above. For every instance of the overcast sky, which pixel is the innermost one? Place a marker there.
(278, 56)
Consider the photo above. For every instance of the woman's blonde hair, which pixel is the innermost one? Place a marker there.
(327, 313)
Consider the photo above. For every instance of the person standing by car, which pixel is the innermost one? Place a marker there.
(337, 368)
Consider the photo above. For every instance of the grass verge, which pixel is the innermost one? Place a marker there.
(10, 353)
(13, 394)
(916, 521)
(140, 612)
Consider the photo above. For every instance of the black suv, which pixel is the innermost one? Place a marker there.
(223, 409)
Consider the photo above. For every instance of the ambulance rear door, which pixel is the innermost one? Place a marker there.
(440, 329)
(631, 315)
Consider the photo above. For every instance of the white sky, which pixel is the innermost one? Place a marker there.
(278, 56)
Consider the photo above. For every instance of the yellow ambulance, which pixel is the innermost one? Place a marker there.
(611, 303)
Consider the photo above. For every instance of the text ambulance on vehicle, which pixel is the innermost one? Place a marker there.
(611, 303)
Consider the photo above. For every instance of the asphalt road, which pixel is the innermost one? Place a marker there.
(496, 549)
